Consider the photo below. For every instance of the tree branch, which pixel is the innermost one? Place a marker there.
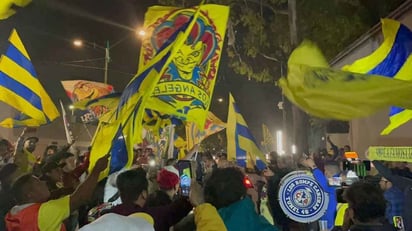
(270, 58)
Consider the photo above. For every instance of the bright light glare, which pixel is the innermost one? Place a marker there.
(152, 163)
(294, 149)
(78, 43)
(71, 107)
(220, 100)
(141, 33)
(279, 142)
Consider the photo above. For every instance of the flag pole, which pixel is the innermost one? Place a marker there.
(171, 141)
(69, 134)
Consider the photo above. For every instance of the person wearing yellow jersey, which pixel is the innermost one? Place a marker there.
(34, 212)
(23, 153)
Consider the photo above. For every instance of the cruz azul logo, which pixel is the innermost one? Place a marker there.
(302, 198)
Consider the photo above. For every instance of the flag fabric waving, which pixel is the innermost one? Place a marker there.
(6, 9)
(82, 92)
(268, 141)
(392, 59)
(241, 144)
(185, 89)
(334, 94)
(20, 88)
(194, 135)
(126, 122)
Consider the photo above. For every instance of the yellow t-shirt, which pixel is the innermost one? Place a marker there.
(52, 214)
(26, 161)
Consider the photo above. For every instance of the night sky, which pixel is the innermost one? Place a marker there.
(48, 28)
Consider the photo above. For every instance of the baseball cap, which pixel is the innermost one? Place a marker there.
(168, 177)
(32, 138)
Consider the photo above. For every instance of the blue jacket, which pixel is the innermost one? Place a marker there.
(242, 216)
(331, 212)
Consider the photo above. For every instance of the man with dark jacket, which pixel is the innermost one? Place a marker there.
(402, 183)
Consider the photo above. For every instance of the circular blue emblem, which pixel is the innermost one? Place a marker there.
(302, 198)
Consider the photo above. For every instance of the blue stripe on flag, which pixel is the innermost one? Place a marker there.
(245, 132)
(260, 165)
(395, 110)
(236, 108)
(132, 88)
(401, 49)
(21, 90)
(14, 54)
(118, 152)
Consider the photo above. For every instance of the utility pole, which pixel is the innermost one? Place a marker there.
(300, 118)
(106, 61)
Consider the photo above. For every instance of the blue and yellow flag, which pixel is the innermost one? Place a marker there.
(268, 142)
(125, 124)
(194, 135)
(392, 59)
(333, 94)
(20, 88)
(185, 89)
(241, 145)
(6, 7)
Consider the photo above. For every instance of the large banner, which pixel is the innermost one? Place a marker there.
(186, 87)
(401, 154)
(83, 90)
(195, 136)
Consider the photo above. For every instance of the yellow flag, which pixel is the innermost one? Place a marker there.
(185, 89)
(194, 135)
(241, 145)
(334, 94)
(124, 126)
(21, 89)
(393, 59)
(6, 7)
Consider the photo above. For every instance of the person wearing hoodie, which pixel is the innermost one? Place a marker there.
(225, 190)
(168, 181)
(35, 212)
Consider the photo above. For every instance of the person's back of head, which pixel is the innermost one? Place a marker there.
(29, 189)
(366, 201)
(132, 184)
(284, 162)
(224, 187)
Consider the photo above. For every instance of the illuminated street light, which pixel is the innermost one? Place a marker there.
(279, 143)
(71, 107)
(220, 100)
(78, 43)
(141, 33)
(294, 150)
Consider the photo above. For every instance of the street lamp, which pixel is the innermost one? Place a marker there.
(220, 100)
(79, 43)
(141, 33)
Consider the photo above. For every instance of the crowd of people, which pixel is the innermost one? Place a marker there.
(57, 192)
